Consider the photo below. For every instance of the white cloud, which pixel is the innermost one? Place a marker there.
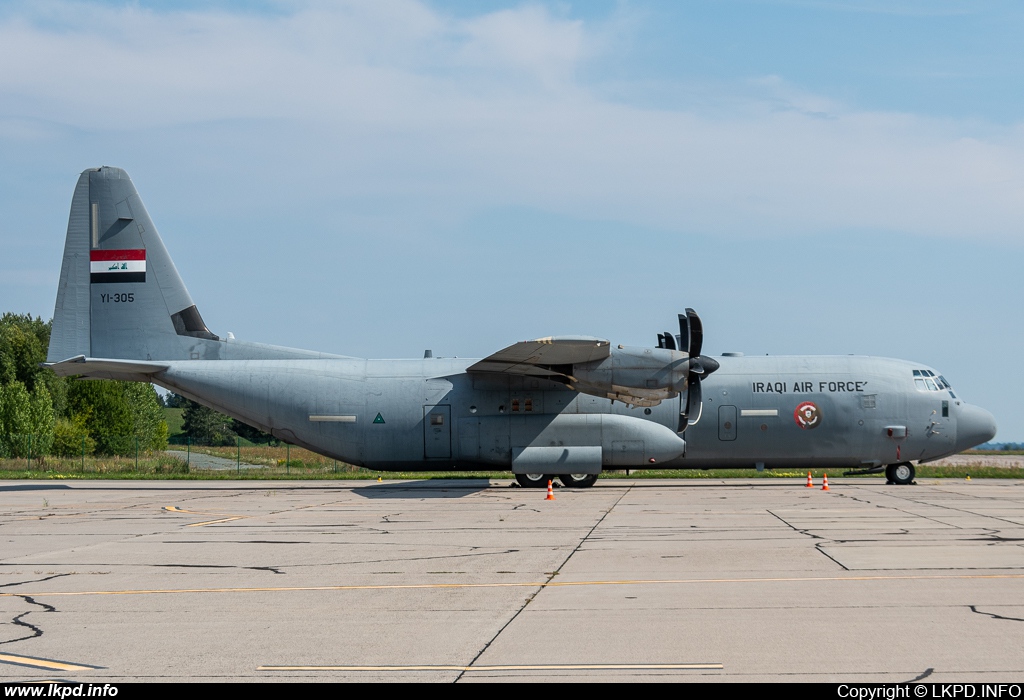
(451, 116)
(547, 50)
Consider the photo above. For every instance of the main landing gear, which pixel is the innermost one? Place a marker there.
(533, 481)
(579, 481)
(902, 473)
(540, 481)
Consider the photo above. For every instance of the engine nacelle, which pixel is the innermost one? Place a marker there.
(634, 375)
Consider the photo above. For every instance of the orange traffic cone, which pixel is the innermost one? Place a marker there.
(824, 483)
(810, 484)
(551, 492)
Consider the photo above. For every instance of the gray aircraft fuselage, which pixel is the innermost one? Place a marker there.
(568, 406)
(748, 419)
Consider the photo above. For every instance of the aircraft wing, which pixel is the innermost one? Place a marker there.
(551, 357)
(98, 368)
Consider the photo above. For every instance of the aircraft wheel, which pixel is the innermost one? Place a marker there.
(533, 481)
(579, 481)
(901, 474)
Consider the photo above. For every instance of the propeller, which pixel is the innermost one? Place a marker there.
(691, 335)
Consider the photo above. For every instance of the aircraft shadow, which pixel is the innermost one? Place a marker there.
(446, 488)
(33, 487)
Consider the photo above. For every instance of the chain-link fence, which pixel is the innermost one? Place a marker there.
(271, 458)
(182, 455)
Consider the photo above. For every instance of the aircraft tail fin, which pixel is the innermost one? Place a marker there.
(120, 295)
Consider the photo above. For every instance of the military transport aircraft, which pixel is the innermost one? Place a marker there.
(565, 406)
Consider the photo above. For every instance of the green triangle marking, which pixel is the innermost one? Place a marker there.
(379, 419)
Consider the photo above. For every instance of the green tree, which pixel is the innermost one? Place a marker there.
(71, 437)
(41, 420)
(147, 415)
(116, 413)
(15, 419)
(250, 433)
(206, 426)
(173, 400)
(23, 344)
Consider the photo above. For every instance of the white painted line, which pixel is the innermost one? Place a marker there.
(532, 667)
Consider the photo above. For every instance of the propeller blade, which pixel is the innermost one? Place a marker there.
(694, 403)
(670, 341)
(696, 335)
(691, 339)
(684, 331)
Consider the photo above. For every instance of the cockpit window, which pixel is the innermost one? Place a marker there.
(927, 380)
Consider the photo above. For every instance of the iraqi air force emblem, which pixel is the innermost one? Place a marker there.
(807, 415)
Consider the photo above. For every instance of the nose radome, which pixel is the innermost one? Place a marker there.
(974, 426)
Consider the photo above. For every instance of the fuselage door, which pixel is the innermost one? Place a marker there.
(726, 422)
(940, 431)
(437, 432)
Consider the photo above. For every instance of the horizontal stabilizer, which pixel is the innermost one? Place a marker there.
(544, 356)
(98, 368)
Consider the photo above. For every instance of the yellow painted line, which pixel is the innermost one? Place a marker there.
(214, 522)
(521, 584)
(44, 663)
(176, 509)
(544, 667)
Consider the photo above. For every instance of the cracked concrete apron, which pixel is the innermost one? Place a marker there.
(468, 581)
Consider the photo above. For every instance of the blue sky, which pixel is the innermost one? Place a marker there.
(380, 178)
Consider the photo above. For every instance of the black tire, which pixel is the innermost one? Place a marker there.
(901, 474)
(578, 481)
(533, 481)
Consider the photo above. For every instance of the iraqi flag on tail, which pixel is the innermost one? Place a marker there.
(117, 265)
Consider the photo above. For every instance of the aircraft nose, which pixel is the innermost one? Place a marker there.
(974, 426)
